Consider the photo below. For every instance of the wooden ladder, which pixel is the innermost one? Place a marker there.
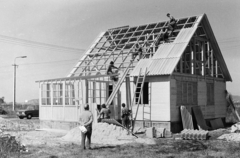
(138, 93)
(147, 111)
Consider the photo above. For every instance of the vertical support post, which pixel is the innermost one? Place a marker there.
(51, 91)
(204, 58)
(86, 91)
(212, 73)
(154, 46)
(40, 99)
(191, 51)
(208, 60)
(194, 55)
(216, 67)
(181, 64)
(128, 92)
(64, 97)
(14, 86)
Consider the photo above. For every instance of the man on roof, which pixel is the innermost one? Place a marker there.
(171, 24)
(137, 52)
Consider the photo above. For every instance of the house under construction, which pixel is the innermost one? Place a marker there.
(188, 70)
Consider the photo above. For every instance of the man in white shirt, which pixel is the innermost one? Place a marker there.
(86, 120)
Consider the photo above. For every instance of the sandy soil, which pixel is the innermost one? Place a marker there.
(59, 143)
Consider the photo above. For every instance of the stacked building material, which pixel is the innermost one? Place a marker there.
(194, 134)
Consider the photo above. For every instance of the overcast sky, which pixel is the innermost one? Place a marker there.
(61, 29)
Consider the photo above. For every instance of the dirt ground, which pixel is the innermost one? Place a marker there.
(50, 144)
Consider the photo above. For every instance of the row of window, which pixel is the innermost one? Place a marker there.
(96, 93)
(57, 92)
(187, 93)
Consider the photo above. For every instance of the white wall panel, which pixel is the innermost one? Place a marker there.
(57, 113)
(70, 113)
(160, 101)
(46, 113)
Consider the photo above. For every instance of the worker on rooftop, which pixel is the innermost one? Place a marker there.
(172, 23)
(138, 51)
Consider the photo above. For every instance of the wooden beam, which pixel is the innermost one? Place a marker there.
(200, 38)
(194, 55)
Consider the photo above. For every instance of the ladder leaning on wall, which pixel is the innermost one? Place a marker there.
(138, 94)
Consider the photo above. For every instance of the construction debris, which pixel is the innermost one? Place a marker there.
(216, 123)
(194, 134)
(199, 118)
(151, 132)
(186, 118)
(230, 137)
(161, 132)
(9, 143)
(235, 128)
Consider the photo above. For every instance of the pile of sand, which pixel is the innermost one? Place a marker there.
(103, 133)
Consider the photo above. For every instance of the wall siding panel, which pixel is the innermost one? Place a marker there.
(202, 93)
(220, 99)
(46, 113)
(70, 113)
(175, 112)
(160, 101)
(140, 112)
(57, 113)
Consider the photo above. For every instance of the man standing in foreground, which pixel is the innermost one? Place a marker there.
(86, 120)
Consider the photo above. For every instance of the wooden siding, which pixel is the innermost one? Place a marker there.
(45, 113)
(58, 113)
(70, 113)
(140, 112)
(220, 99)
(218, 109)
(175, 111)
(202, 93)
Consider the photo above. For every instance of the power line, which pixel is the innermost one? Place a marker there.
(38, 63)
(50, 62)
(29, 43)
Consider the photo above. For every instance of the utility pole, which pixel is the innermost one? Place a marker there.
(14, 80)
